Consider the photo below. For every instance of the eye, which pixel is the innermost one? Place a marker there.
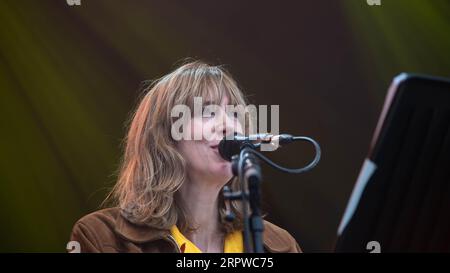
(207, 113)
(234, 114)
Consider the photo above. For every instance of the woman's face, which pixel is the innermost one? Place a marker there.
(202, 156)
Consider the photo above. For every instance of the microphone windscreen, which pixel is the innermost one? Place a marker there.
(229, 147)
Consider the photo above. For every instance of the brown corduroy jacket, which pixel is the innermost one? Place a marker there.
(108, 231)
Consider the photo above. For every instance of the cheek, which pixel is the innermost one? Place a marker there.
(195, 153)
(201, 158)
(188, 150)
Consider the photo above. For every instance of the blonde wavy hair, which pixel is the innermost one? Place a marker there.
(152, 170)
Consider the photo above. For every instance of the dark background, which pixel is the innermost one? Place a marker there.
(69, 78)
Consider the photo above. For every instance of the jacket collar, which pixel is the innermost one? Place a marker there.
(138, 233)
(144, 234)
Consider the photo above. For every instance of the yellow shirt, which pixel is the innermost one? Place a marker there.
(234, 242)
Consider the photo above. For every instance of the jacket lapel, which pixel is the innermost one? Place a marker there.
(141, 234)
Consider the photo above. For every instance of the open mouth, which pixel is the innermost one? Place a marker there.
(215, 147)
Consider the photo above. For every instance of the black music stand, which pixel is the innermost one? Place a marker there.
(401, 200)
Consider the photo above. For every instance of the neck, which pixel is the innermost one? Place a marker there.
(200, 200)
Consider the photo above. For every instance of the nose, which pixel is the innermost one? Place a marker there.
(225, 125)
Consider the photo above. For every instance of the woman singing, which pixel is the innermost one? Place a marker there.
(169, 192)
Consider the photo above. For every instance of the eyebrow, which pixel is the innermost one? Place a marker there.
(209, 102)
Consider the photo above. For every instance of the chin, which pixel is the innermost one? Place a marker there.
(224, 172)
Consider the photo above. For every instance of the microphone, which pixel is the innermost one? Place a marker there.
(246, 167)
(233, 144)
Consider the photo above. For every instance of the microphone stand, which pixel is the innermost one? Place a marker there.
(245, 166)
(253, 178)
